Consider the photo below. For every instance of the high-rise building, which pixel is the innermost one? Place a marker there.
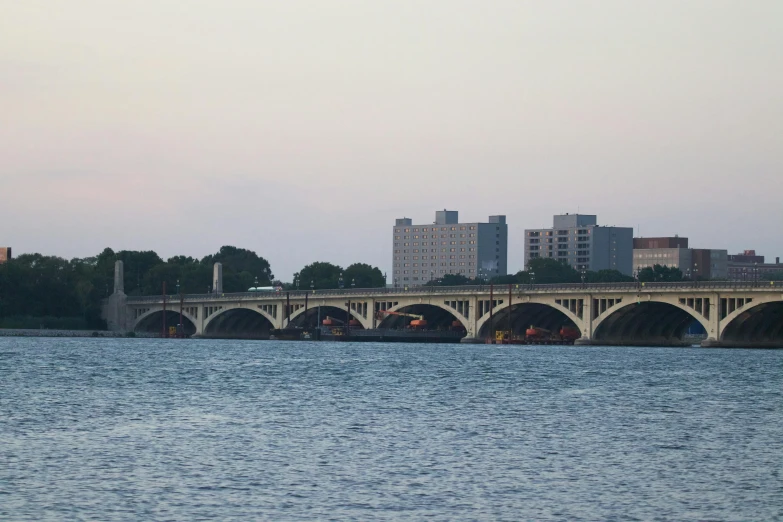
(5, 254)
(430, 251)
(577, 240)
(673, 252)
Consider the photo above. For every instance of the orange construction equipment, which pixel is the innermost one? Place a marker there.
(569, 334)
(534, 332)
(418, 322)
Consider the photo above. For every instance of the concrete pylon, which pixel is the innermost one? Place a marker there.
(114, 308)
(217, 278)
(119, 278)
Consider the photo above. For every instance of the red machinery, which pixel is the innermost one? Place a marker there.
(417, 323)
(536, 333)
(566, 333)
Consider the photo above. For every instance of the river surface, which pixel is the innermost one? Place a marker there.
(139, 429)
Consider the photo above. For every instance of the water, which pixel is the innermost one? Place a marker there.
(221, 430)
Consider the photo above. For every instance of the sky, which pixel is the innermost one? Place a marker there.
(302, 129)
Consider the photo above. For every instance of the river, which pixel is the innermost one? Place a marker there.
(151, 429)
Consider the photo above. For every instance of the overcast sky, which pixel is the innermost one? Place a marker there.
(302, 129)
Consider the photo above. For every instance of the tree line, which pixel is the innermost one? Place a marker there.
(38, 291)
(543, 271)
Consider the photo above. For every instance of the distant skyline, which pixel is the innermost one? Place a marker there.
(302, 129)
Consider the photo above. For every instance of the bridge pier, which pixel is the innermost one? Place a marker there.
(115, 307)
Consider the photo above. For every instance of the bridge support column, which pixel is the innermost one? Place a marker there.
(472, 335)
(713, 331)
(587, 322)
(200, 321)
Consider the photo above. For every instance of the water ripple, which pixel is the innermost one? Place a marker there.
(186, 430)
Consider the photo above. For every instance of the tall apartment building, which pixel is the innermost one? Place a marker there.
(577, 240)
(703, 263)
(5, 254)
(429, 251)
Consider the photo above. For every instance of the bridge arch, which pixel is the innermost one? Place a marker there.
(758, 323)
(309, 316)
(648, 322)
(152, 321)
(237, 321)
(532, 312)
(437, 315)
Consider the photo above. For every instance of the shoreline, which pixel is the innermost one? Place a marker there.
(42, 332)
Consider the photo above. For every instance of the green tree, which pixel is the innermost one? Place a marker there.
(35, 290)
(515, 279)
(239, 260)
(322, 275)
(659, 273)
(363, 276)
(549, 271)
(451, 280)
(136, 264)
(607, 276)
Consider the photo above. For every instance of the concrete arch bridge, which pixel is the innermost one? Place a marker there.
(654, 314)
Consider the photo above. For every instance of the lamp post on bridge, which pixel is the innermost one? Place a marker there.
(583, 273)
(181, 325)
(340, 283)
(532, 279)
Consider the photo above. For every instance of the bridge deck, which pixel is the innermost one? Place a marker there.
(628, 288)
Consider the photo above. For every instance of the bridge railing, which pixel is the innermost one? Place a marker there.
(467, 290)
